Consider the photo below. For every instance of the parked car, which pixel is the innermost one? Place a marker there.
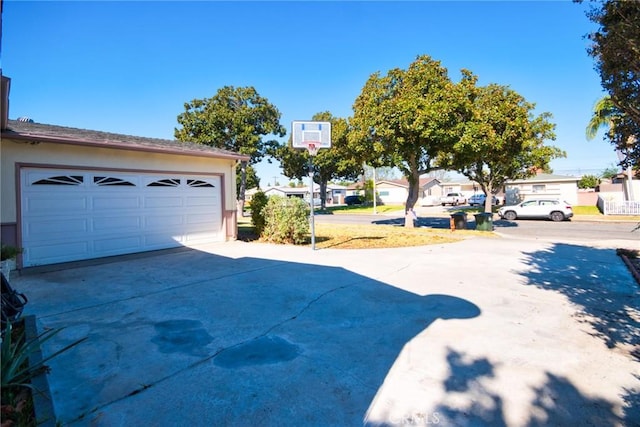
(453, 199)
(353, 200)
(316, 201)
(478, 199)
(554, 209)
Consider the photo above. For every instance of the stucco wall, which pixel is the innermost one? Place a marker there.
(567, 191)
(63, 155)
(391, 194)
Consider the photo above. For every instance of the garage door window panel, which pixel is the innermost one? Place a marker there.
(112, 181)
(61, 180)
(199, 183)
(168, 182)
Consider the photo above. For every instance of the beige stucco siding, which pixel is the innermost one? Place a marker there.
(82, 157)
(391, 194)
(567, 191)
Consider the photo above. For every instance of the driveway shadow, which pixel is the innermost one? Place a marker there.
(192, 338)
(557, 401)
(604, 292)
(607, 298)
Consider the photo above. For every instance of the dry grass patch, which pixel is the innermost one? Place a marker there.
(380, 236)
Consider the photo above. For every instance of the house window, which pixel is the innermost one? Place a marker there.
(111, 181)
(61, 180)
(383, 193)
(538, 188)
(198, 183)
(169, 182)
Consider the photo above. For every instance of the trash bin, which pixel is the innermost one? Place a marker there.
(484, 221)
(458, 221)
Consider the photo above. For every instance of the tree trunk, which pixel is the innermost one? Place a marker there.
(323, 194)
(243, 186)
(412, 198)
(488, 201)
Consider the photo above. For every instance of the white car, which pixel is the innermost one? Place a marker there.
(547, 208)
(478, 199)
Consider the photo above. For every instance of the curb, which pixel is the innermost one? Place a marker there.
(635, 273)
(41, 395)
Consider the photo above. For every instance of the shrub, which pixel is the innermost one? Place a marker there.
(9, 252)
(258, 202)
(286, 220)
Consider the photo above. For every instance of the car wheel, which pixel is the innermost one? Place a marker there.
(557, 216)
(510, 215)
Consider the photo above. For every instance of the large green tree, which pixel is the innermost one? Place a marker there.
(502, 138)
(405, 119)
(616, 50)
(335, 163)
(236, 119)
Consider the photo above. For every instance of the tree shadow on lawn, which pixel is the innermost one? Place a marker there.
(431, 222)
(604, 291)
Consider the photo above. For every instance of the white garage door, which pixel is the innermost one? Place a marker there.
(70, 215)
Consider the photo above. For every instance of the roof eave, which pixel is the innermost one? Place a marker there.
(27, 137)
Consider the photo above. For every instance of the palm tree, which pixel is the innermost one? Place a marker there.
(604, 115)
(604, 112)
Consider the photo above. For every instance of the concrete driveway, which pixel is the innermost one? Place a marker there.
(487, 331)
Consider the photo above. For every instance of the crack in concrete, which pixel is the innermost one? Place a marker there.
(144, 387)
(172, 288)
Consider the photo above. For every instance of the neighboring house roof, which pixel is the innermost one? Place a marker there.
(405, 184)
(545, 177)
(38, 132)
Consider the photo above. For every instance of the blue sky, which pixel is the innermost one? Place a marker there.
(129, 67)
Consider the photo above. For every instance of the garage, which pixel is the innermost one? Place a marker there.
(70, 215)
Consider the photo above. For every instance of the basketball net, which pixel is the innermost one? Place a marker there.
(312, 147)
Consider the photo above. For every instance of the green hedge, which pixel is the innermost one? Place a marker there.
(286, 220)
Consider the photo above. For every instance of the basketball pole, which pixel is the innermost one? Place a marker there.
(311, 216)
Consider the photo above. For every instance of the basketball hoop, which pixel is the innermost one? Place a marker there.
(312, 148)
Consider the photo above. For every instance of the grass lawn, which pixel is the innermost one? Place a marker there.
(586, 210)
(363, 210)
(342, 236)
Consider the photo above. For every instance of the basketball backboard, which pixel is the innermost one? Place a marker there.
(311, 135)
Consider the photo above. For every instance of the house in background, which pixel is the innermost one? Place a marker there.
(396, 191)
(72, 194)
(542, 185)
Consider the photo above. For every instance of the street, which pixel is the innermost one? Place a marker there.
(596, 233)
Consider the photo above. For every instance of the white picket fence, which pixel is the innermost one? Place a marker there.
(613, 207)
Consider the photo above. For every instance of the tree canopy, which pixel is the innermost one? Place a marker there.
(405, 119)
(502, 138)
(236, 119)
(616, 50)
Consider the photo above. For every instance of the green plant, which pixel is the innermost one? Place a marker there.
(15, 351)
(9, 252)
(258, 202)
(286, 220)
